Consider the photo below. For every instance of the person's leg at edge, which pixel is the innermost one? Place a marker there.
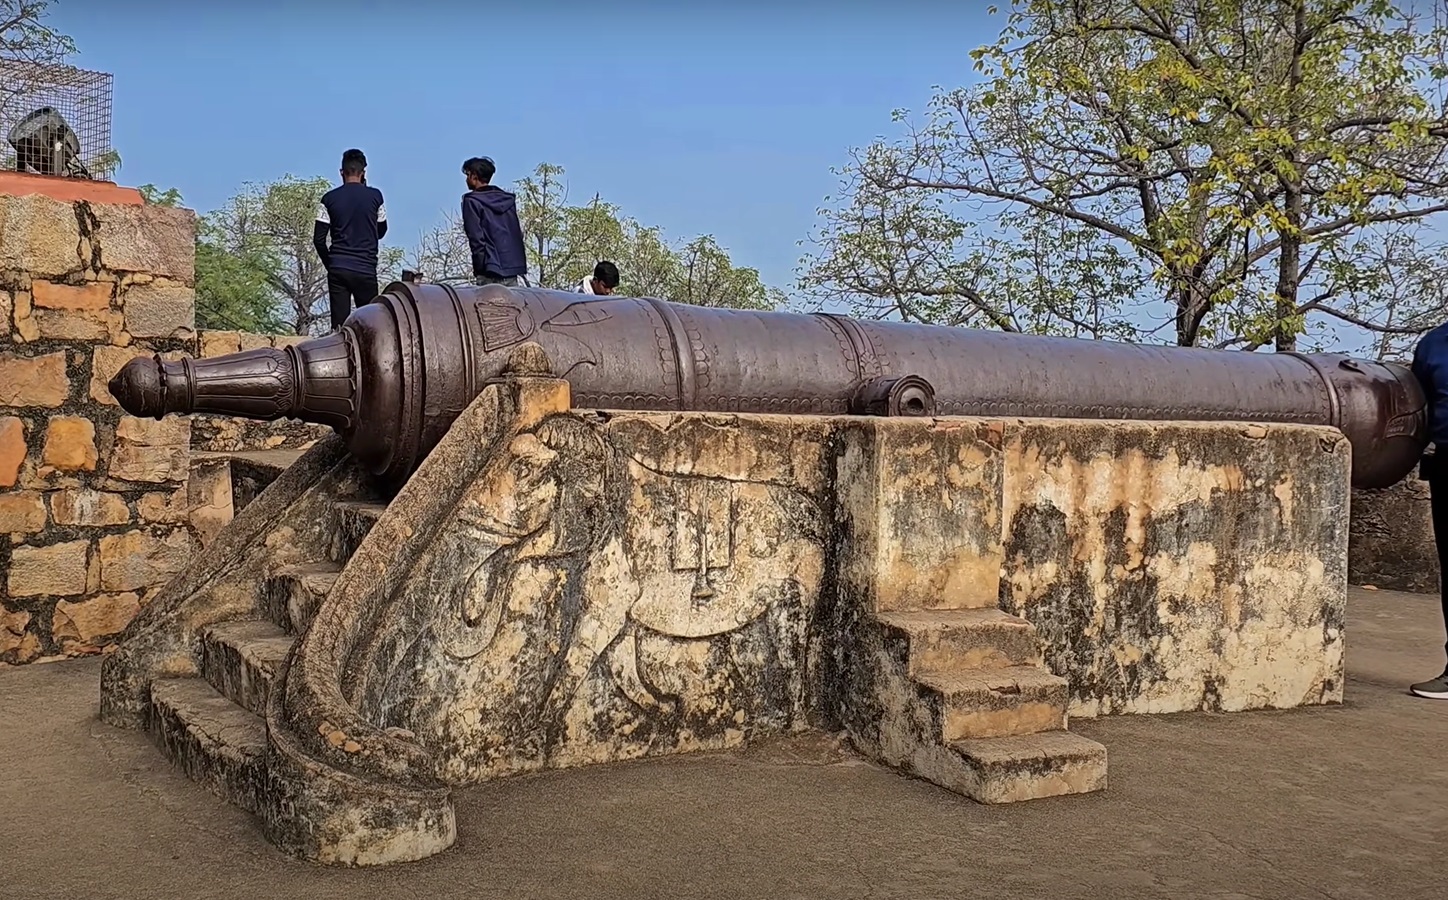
(339, 296)
(1437, 689)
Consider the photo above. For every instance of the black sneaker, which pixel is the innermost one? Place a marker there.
(1437, 689)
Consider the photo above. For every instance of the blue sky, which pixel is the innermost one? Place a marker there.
(720, 119)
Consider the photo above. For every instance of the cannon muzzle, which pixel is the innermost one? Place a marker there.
(400, 370)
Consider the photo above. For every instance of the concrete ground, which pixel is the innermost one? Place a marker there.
(1341, 802)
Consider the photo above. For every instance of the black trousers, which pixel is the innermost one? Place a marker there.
(349, 289)
(1435, 472)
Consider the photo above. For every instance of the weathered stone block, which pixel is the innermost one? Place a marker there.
(160, 310)
(83, 626)
(1175, 566)
(159, 240)
(26, 331)
(77, 506)
(282, 341)
(70, 444)
(150, 450)
(39, 235)
(1390, 543)
(219, 343)
(209, 498)
(248, 341)
(7, 309)
(138, 560)
(168, 507)
(923, 507)
(18, 643)
(33, 380)
(58, 569)
(106, 361)
(12, 450)
(49, 295)
(22, 512)
(77, 325)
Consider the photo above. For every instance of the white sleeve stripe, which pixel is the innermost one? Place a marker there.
(322, 215)
(382, 212)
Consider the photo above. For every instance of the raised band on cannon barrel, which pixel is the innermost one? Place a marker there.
(402, 368)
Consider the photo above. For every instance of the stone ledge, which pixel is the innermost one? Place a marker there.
(69, 190)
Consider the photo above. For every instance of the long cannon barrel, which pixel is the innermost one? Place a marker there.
(400, 370)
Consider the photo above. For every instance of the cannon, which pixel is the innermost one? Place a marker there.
(403, 367)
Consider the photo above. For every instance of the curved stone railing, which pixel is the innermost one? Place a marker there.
(348, 762)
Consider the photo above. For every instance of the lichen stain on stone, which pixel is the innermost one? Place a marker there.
(1158, 566)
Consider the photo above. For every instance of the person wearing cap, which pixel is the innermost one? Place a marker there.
(490, 220)
(602, 282)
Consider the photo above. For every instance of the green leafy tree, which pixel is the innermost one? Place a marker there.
(28, 46)
(1222, 160)
(232, 288)
(265, 231)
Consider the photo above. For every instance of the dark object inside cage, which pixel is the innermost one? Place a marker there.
(56, 120)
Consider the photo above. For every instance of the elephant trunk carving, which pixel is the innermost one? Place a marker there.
(403, 367)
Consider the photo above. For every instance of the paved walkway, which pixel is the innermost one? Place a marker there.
(1341, 802)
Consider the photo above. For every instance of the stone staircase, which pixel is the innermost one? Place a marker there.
(979, 675)
(212, 726)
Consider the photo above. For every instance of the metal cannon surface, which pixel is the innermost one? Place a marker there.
(403, 367)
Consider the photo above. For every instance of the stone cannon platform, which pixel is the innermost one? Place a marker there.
(557, 587)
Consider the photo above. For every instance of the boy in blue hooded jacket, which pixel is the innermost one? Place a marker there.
(490, 220)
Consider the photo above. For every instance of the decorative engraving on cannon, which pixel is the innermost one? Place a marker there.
(400, 369)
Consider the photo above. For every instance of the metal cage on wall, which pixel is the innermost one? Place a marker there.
(56, 120)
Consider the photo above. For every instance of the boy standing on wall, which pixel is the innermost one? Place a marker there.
(490, 220)
(355, 218)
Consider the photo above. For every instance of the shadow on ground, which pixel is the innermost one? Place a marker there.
(1342, 802)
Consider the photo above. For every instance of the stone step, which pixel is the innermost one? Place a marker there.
(216, 743)
(1030, 767)
(241, 659)
(951, 640)
(293, 593)
(355, 519)
(990, 703)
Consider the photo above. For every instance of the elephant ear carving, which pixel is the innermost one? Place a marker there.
(504, 323)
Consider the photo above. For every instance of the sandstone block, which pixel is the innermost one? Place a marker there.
(254, 341)
(160, 240)
(33, 380)
(209, 500)
(163, 507)
(138, 559)
(40, 236)
(77, 325)
(150, 450)
(49, 295)
(70, 444)
(160, 310)
(25, 327)
(58, 569)
(7, 308)
(77, 506)
(219, 343)
(18, 644)
(105, 363)
(12, 449)
(82, 626)
(22, 512)
(282, 341)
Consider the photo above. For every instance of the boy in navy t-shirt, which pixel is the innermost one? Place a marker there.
(355, 218)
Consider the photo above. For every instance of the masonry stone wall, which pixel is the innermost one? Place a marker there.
(1391, 542)
(99, 509)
